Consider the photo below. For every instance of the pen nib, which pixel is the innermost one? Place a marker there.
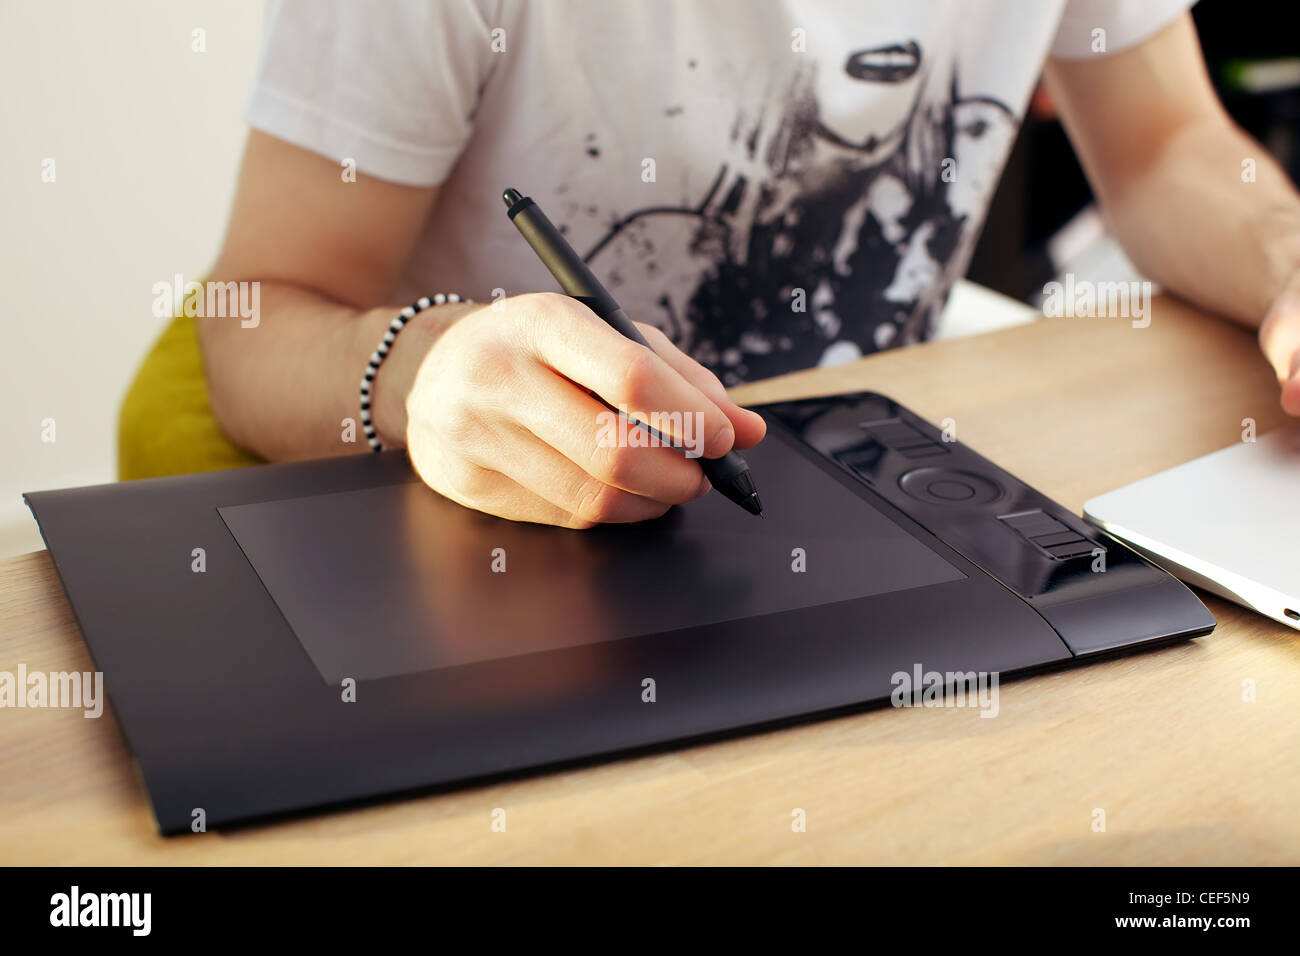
(748, 500)
(740, 489)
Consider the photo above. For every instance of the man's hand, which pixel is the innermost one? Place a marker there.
(501, 416)
(1279, 337)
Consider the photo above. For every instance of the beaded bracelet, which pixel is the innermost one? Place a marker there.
(377, 357)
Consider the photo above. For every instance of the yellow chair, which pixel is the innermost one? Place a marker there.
(166, 426)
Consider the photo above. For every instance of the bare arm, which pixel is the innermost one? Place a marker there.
(1166, 163)
(328, 255)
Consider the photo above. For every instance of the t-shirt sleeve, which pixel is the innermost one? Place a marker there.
(392, 86)
(1126, 23)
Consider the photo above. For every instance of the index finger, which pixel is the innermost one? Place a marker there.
(576, 343)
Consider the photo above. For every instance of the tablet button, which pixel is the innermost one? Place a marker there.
(898, 436)
(922, 451)
(950, 490)
(947, 486)
(1061, 537)
(1080, 547)
(1033, 523)
(894, 433)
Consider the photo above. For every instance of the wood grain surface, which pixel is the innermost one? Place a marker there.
(1186, 769)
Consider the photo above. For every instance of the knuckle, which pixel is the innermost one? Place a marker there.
(467, 479)
(598, 502)
(490, 363)
(459, 425)
(538, 314)
(545, 309)
(688, 483)
(546, 303)
(640, 368)
(454, 478)
(615, 466)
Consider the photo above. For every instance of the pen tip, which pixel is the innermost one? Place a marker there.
(511, 196)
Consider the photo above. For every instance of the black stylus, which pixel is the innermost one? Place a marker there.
(728, 474)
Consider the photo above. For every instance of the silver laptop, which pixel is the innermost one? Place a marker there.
(1228, 522)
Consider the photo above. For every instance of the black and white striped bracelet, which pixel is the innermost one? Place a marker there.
(377, 357)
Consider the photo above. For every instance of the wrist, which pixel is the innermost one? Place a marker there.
(396, 376)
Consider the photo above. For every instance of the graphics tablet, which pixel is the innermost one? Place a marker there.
(348, 633)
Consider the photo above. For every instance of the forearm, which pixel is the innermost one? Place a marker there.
(1191, 222)
(286, 387)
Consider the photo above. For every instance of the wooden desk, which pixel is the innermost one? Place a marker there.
(1186, 770)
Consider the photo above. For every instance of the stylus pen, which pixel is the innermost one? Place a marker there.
(728, 474)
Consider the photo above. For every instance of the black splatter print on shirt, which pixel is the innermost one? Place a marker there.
(846, 243)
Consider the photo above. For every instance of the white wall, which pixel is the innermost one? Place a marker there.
(146, 136)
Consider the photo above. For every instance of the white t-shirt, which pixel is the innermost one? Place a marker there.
(775, 183)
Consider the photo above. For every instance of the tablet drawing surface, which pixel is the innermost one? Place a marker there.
(395, 579)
